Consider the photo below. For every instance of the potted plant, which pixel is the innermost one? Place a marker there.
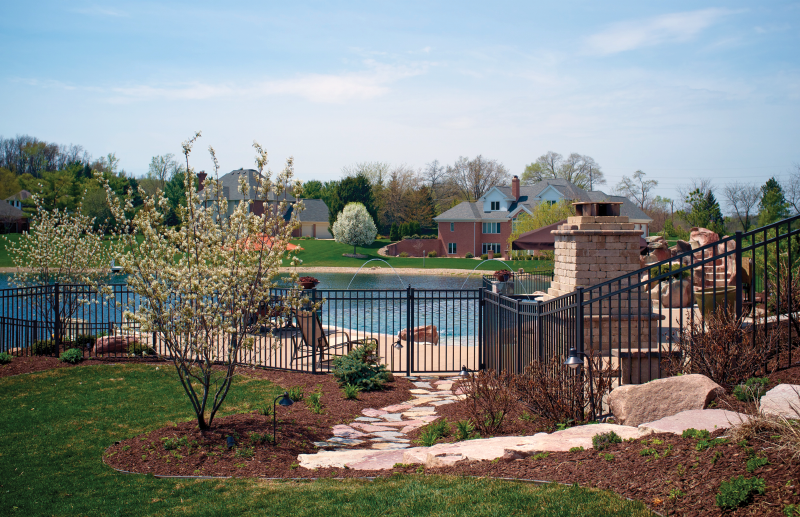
(502, 275)
(308, 282)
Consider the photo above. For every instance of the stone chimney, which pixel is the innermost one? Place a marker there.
(201, 179)
(515, 187)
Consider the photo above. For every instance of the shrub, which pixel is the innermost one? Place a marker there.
(85, 341)
(72, 356)
(603, 440)
(469, 255)
(296, 394)
(489, 397)
(415, 236)
(266, 410)
(668, 268)
(576, 449)
(738, 491)
(552, 390)
(431, 254)
(360, 368)
(314, 402)
(5, 357)
(403, 254)
(720, 348)
(350, 391)
(138, 349)
(708, 444)
(260, 438)
(464, 429)
(753, 389)
(755, 463)
(485, 256)
(694, 433)
(44, 347)
(432, 432)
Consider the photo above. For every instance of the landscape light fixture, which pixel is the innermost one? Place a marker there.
(575, 360)
(284, 401)
(230, 442)
(464, 372)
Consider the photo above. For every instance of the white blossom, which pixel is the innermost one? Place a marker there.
(354, 226)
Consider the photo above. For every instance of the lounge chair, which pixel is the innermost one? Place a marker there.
(310, 325)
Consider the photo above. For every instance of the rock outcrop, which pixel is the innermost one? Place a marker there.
(113, 345)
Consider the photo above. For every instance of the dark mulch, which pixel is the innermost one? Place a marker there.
(20, 365)
(298, 428)
(682, 482)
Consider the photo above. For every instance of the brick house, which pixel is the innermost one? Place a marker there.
(313, 219)
(485, 225)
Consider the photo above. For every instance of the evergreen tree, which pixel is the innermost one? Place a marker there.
(394, 232)
(773, 206)
(353, 189)
(705, 211)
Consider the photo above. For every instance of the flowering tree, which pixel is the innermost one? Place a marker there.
(202, 282)
(354, 226)
(60, 248)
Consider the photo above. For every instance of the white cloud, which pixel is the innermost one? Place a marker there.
(666, 28)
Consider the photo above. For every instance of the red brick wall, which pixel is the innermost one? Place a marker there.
(469, 237)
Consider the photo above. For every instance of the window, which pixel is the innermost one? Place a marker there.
(451, 248)
(491, 227)
(551, 202)
(490, 246)
(495, 205)
(452, 227)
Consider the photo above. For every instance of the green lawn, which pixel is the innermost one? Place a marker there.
(56, 425)
(326, 253)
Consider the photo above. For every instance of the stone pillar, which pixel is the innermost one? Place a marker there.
(593, 247)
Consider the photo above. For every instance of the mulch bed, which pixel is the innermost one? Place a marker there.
(21, 365)
(204, 453)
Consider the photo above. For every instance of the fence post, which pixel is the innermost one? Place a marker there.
(579, 321)
(739, 275)
(540, 329)
(57, 317)
(518, 338)
(409, 328)
(314, 340)
(481, 315)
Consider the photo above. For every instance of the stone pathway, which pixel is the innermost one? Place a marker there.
(386, 428)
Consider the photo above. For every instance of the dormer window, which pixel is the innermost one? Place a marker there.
(495, 205)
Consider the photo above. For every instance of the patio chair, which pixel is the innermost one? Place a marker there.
(310, 325)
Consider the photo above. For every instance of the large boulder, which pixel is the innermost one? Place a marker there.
(782, 400)
(113, 345)
(635, 404)
(674, 294)
(703, 236)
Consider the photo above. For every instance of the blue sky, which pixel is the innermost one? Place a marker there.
(680, 90)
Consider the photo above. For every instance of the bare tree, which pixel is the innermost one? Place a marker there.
(742, 199)
(580, 170)
(162, 168)
(475, 177)
(700, 185)
(637, 189)
(375, 172)
(792, 188)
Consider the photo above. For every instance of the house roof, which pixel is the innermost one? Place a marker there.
(314, 211)
(19, 196)
(8, 211)
(230, 186)
(530, 197)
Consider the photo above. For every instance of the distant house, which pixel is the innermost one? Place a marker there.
(485, 225)
(12, 219)
(17, 199)
(313, 219)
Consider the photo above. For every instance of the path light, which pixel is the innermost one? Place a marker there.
(464, 372)
(575, 360)
(230, 442)
(284, 401)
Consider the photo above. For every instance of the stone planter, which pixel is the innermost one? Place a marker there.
(504, 288)
(709, 299)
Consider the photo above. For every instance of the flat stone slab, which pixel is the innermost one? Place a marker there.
(390, 446)
(417, 414)
(404, 422)
(397, 407)
(782, 400)
(409, 428)
(369, 428)
(344, 441)
(389, 434)
(391, 417)
(373, 412)
(579, 436)
(367, 419)
(420, 408)
(422, 384)
(700, 419)
(442, 402)
(397, 440)
(340, 459)
(420, 392)
(423, 400)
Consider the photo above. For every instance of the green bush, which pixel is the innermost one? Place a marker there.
(44, 347)
(5, 357)
(296, 394)
(464, 429)
(140, 349)
(485, 256)
(469, 255)
(603, 440)
(694, 433)
(350, 391)
(753, 389)
(756, 463)
(432, 432)
(663, 269)
(314, 402)
(431, 254)
(360, 368)
(72, 356)
(403, 254)
(738, 491)
(84, 341)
